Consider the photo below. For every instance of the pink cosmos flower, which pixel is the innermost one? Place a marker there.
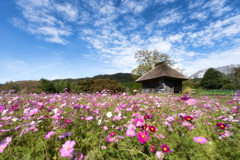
(186, 124)
(6, 140)
(143, 136)
(67, 148)
(65, 135)
(191, 101)
(130, 133)
(79, 156)
(32, 112)
(47, 136)
(170, 118)
(2, 147)
(138, 122)
(200, 140)
(89, 118)
(131, 126)
(105, 128)
(227, 133)
(159, 155)
(52, 100)
(112, 139)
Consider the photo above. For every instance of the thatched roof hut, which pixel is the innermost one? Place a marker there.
(162, 78)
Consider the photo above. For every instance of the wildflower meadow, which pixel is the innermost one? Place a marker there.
(118, 126)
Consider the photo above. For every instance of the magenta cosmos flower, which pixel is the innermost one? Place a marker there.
(68, 121)
(221, 125)
(67, 148)
(138, 122)
(152, 128)
(200, 140)
(165, 148)
(112, 134)
(143, 136)
(130, 133)
(188, 118)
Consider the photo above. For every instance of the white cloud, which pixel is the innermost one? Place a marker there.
(216, 32)
(176, 37)
(170, 17)
(218, 7)
(199, 15)
(39, 19)
(133, 6)
(214, 59)
(68, 11)
(159, 44)
(195, 3)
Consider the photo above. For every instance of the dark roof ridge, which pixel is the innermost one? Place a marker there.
(161, 69)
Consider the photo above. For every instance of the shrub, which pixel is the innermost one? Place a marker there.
(212, 79)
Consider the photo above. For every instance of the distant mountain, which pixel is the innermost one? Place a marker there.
(224, 69)
(119, 77)
(1, 85)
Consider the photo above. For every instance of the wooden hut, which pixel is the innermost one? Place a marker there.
(162, 79)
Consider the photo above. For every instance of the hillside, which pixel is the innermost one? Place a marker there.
(119, 77)
(224, 69)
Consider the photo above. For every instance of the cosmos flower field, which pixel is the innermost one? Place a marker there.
(118, 126)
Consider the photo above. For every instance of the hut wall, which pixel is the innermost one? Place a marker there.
(169, 86)
(155, 86)
(162, 86)
(177, 86)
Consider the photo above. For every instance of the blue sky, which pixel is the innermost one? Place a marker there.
(81, 38)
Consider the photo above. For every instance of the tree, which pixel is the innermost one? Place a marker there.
(235, 78)
(47, 86)
(147, 59)
(212, 79)
(105, 84)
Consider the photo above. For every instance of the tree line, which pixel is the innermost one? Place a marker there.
(120, 82)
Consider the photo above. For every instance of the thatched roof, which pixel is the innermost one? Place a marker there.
(161, 70)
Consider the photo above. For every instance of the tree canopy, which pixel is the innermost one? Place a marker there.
(212, 79)
(147, 59)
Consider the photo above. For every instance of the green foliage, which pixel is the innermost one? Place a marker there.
(147, 59)
(234, 78)
(85, 85)
(32, 86)
(119, 77)
(105, 84)
(214, 92)
(130, 87)
(212, 79)
(47, 86)
(192, 83)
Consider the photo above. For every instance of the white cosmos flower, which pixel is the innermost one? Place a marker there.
(109, 114)
(99, 121)
(14, 119)
(55, 110)
(119, 114)
(33, 122)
